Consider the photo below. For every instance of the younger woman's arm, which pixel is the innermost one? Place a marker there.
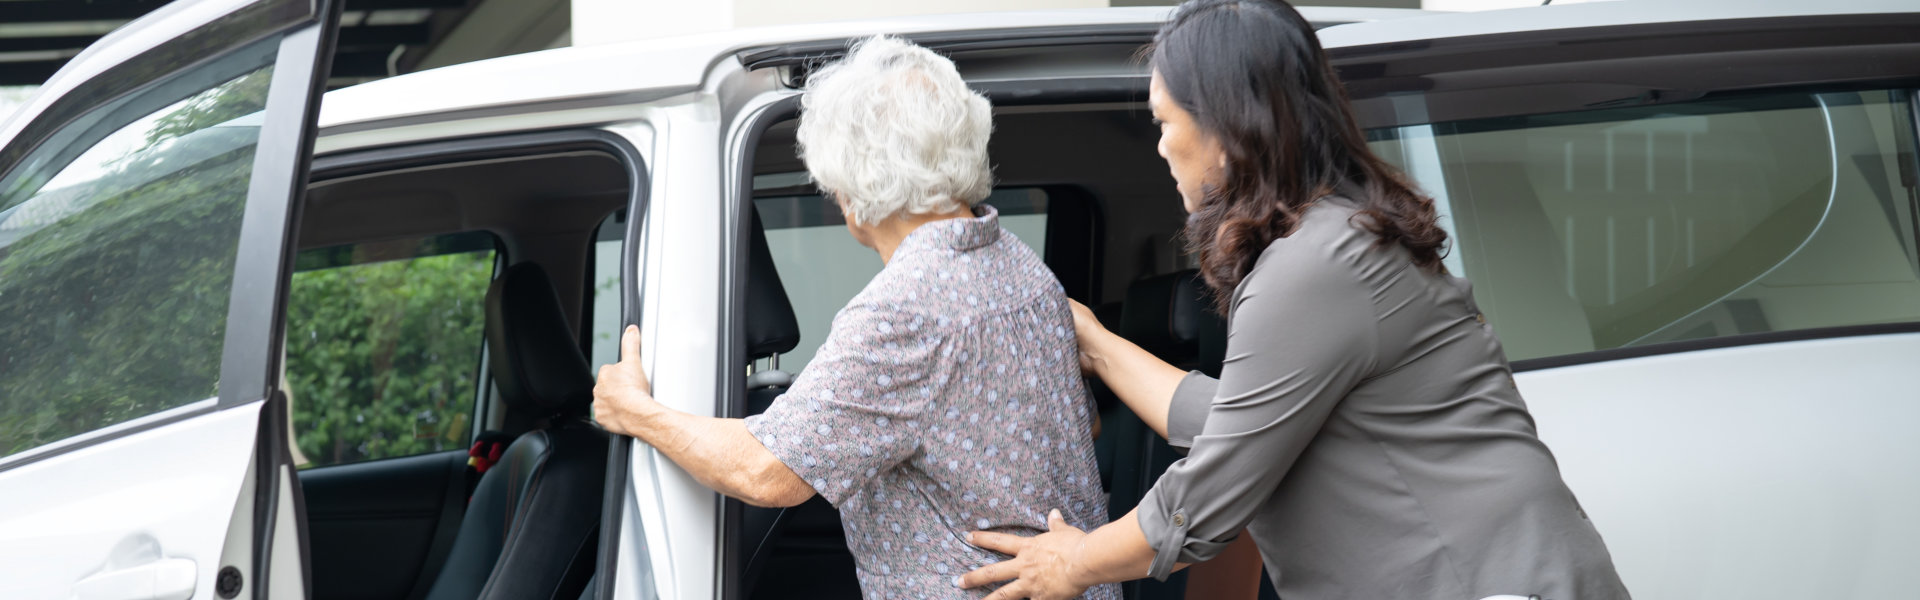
(1141, 380)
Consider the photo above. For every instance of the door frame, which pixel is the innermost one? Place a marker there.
(300, 65)
(632, 257)
(169, 50)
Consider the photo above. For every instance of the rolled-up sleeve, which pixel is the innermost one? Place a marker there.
(1187, 413)
(1299, 342)
(855, 411)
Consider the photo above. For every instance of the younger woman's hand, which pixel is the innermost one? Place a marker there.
(1086, 327)
(1041, 567)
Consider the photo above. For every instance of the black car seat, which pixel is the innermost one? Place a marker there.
(531, 529)
(798, 552)
(771, 327)
(1170, 316)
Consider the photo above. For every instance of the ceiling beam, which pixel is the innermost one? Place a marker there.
(45, 11)
(37, 44)
(360, 64)
(51, 11)
(29, 73)
(417, 34)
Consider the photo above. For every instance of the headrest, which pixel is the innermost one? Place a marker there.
(771, 327)
(1171, 317)
(536, 362)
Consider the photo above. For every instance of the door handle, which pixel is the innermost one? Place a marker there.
(164, 579)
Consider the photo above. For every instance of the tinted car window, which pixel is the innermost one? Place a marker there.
(1633, 226)
(823, 268)
(117, 244)
(384, 346)
(603, 284)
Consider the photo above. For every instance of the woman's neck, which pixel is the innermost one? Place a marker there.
(888, 234)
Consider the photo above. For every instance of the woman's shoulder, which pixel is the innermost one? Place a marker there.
(1330, 247)
(1329, 235)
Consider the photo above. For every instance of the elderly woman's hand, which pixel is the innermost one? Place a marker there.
(622, 393)
(1042, 567)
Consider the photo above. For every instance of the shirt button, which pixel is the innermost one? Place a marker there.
(1481, 317)
(1179, 520)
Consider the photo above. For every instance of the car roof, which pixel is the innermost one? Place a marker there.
(677, 64)
(1606, 13)
(656, 68)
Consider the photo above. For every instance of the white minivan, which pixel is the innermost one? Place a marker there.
(257, 341)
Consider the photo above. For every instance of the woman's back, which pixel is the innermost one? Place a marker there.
(1428, 475)
(954, 378)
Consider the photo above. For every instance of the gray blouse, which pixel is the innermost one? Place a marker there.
(1366, 431)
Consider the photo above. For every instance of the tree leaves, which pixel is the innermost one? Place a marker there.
(379, 352)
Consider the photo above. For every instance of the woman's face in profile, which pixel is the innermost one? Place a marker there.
(1194, 157)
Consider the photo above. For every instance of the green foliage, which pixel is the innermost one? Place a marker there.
(114, 290)
(382, 357)
(114, 294)
(242, 96)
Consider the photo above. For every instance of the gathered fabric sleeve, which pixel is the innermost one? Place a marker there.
(856, 410)
(1303, 335)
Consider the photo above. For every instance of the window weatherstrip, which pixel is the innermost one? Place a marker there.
(255, 313)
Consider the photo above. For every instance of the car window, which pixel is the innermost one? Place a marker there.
(1631, 226)
(384, 346)
(823, 268)
(117, 245)
(604, 283)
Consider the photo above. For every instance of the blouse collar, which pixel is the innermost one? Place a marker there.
(960, 235)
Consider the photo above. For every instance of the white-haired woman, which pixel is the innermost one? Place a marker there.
(947, 396)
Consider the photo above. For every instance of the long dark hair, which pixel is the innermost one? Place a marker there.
(1253, 75)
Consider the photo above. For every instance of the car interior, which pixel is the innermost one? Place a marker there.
(429, 525)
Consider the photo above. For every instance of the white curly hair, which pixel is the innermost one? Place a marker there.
(892, 130)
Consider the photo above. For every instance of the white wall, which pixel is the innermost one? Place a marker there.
(12, 98)
(606, 21)
(1464, 5)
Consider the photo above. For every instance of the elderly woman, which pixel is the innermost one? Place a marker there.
(947, 396)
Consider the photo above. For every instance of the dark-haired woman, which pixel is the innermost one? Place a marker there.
(1365, 429)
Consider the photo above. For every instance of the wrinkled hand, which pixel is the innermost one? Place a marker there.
(1042, 565)
(1085, 327)
(623, 393)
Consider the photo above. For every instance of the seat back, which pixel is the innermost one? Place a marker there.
(802, 548)
(531, 529)
(1172, 317)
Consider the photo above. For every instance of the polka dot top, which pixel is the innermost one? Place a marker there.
(946, 398)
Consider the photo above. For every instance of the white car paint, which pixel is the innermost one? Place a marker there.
(1662, 449)
(601, 84)
(1696, 466)
(1780, 470)
(1442, 25)
(164, 494)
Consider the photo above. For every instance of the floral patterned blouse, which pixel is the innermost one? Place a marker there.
(947, 398)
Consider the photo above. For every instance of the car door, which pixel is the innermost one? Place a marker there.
(144, 207)
(1694, 234)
